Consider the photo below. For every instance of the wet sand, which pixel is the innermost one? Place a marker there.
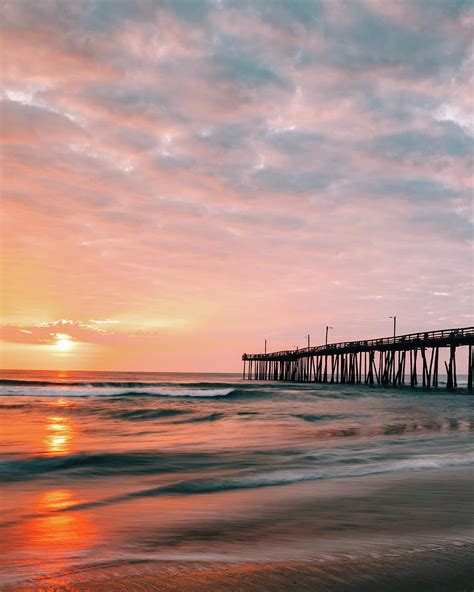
(424, 571)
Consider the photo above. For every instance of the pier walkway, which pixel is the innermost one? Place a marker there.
(388, 361)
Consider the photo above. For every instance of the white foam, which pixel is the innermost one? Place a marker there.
(410, 464)
(90, 391)
(188, 392)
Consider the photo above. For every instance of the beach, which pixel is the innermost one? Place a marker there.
(203, 482)
(428, 571)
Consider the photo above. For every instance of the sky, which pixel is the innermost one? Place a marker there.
(182, 179)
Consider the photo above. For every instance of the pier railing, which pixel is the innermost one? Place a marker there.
(380, 361)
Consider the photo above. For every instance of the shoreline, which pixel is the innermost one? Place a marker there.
(442, 570)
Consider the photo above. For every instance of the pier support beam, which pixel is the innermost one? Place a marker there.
(451, 380)
(470, 367)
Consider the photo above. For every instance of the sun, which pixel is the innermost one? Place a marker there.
(64, 343)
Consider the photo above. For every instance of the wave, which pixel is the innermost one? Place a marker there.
(312, 417)
(280, 478)
(105, 464)
(113, 384)
(81, 465)
(123, 392)
(15, 406)
(287, 477)
(211, 417)
(144, 414)
(179, 392)
(147, 414)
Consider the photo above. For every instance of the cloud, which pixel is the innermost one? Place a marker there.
(243, 69)
(47, 333)
(456, 225)
(283, 181)
(423, 189)
(107, 332)
(446, 139)
(27, 123)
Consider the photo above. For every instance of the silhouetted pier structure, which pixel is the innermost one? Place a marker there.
(389, 361)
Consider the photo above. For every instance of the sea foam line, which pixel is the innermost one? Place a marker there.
(120, 391)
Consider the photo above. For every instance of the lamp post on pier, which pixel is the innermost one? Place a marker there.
(308, 359)
(394, 317)
(394, 325)
(327, 330)
(326, 355)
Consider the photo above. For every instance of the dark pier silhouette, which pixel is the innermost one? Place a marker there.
(389, 361)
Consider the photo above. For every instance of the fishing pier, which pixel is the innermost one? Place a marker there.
(403, 360)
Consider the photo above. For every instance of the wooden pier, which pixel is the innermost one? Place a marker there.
(390, 361)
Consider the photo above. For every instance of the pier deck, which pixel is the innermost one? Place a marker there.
(388, 361)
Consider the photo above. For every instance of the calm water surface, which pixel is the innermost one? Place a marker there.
(116, 467)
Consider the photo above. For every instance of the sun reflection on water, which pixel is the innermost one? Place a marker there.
(58, 536)
(61, 402)
(59, 437)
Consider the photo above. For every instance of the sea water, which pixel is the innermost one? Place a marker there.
(100, 468)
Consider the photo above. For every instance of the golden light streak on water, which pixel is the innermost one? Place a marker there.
(55, 535)
(60, 433)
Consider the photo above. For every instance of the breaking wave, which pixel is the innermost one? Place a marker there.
(121, 390)
(311, 467)
(110, 384)
(146, 463)
(102, 464)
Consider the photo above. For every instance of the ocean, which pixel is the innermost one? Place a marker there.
(114, 472)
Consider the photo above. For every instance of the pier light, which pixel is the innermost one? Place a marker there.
(327, 330)
(394, 317)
